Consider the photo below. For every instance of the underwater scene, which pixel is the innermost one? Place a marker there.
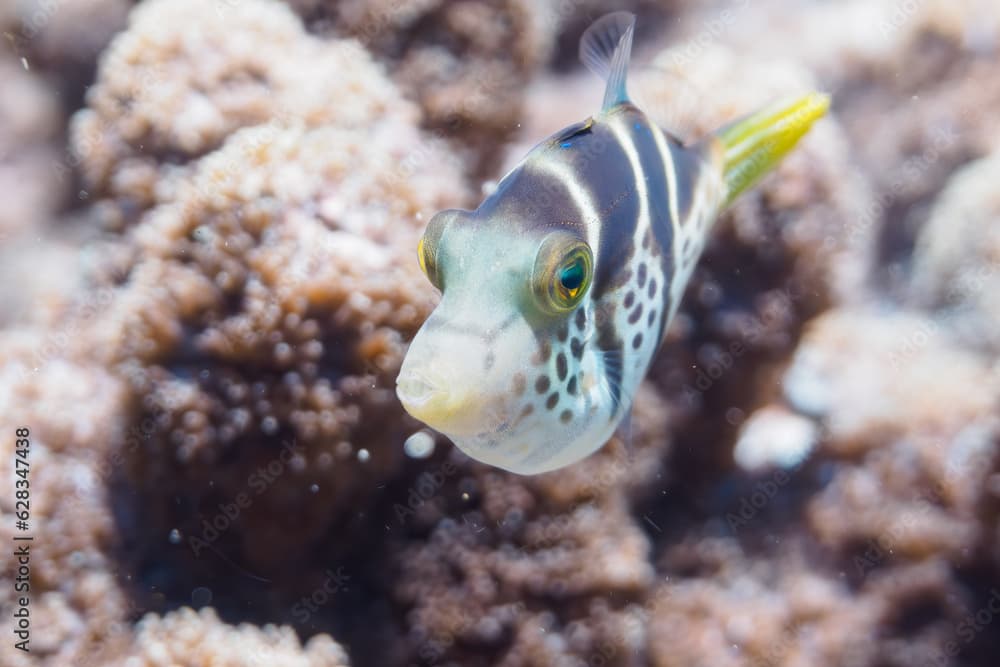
(570, 333)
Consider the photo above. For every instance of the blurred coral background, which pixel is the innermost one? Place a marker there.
(208, 281)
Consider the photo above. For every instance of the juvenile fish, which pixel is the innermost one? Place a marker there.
(557, 290)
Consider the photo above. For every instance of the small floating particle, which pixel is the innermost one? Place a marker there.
(420, 445)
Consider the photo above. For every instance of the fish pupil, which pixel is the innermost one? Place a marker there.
(571, 277)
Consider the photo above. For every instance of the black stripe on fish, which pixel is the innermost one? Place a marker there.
(610, 179)
(663, 228)
(688, 165)
(529, 198)
(651, 160)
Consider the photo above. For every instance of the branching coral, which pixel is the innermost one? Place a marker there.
(925, 444)
(535, 570)
(182, 78)
(262, 314)
(186, 638)
(269, 305)
(29, 122)
(213, 417)
(466, 63)
(73, 413)
(957, 266)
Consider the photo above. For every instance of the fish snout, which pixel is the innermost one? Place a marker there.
(445, 405)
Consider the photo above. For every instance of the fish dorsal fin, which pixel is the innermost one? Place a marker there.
(605, 49)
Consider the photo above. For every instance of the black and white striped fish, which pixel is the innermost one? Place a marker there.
(557, 290)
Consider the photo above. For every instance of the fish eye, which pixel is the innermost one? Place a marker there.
(426, 259)
(427, 248)
(563, 272)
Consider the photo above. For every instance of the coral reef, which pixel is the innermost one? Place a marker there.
(30, 124)
(74, 412)
(29, 121)
(269, 305)
(915, 447)
(957, 262)
(466, 63)
(62, 39)
(181, 79)
(207, 368)
(521, 570)
(262, 321)
(189, 639)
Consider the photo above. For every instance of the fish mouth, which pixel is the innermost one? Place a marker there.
(445, 406)
(414, 389)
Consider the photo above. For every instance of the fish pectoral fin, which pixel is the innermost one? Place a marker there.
(605, 49)
(612, 363)
(624, 432)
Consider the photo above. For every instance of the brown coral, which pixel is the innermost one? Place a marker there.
(73, 413)
(244, 330)
(29, 122)
(269, 305)
(925, 446)
(534, 570)
(184, 77)
(62, 39)
(260, 325)
(466, 63)
(957, 264)
(186, 638)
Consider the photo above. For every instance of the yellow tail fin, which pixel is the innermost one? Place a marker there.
(755, 144)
